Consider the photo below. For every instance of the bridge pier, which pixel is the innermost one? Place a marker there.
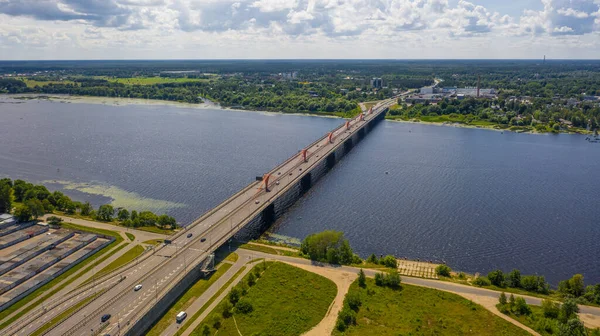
(305, 183)
(330, 160)
(348, 144)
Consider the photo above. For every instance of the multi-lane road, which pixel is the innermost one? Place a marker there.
(158, 271)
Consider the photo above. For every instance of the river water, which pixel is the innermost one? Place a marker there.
(477, 199)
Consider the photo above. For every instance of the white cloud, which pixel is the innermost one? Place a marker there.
(316, 28)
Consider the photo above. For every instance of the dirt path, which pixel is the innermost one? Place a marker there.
(342, 280)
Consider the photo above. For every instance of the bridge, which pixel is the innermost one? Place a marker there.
(170, 269)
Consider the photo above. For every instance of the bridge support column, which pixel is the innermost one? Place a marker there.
(268, 216)
(330, 160)
(348, 145)
(305, 183)
(361, 133)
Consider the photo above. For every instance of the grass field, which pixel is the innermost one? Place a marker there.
(537, 322)
(286, 300)
(232, 257)
(416, 310)
(152, 80)
(186, 300)
(153, 242)
(33, 83)
(126, 258)
(130, 236)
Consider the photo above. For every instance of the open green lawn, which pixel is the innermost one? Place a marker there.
(33, 83)
(414, 310)
(286, 300)
(153, 242)
(126, 258)
(187, 299)
(152, 80)
(130, 236)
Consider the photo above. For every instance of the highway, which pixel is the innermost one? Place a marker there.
(165, 266)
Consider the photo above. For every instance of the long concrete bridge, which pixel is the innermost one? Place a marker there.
(172, 268)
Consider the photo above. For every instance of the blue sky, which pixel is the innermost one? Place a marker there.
(216, 29)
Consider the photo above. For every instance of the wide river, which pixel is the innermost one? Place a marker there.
(477, 199)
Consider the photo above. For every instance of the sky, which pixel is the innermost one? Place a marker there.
(299, 29)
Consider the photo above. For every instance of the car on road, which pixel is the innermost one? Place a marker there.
(180, 317)
(105, 318)
(202, 240)
(189, 235)
(137, 287)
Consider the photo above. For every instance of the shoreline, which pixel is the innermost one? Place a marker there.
(119, 101)
(490, 128)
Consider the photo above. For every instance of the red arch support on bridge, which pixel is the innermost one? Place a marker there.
(266, 181)
(361, 117)
(347, 125)
(371, 110)
(304, 152)
(330, 137)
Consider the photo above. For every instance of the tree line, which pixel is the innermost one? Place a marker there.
(33, 201)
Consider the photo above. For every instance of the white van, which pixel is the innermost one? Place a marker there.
(180, 317)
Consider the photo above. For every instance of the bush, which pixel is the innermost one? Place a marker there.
(372, 259)
(521, 307)
(481, 281)
(226, 309)
(443, 270)
(329, 246)
(568, 310)
(379, 279)
(392, 280)
(362, 279)
(251, 279)
(514, 278)
(244, 306)
(340, 325)
(544, 325)
(551, 308)
(348, 316)
(389, 261)
(234, 295)
(572, 327)
(353, 300)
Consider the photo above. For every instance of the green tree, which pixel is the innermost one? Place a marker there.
(147, 218)
(105, 212)
(23, 213)
(379, 279)
(36, 208)
(514, 278)
(330, 246)
(6, 197)
(502, 299)
(234, 295)
(372, 259)
(362, 279)
(251, 279)
(568, 310)
(511, 301)
(123, 214)
(86, 209)
(134, 215)
(205, 330)
(165, 221)
(496, 278)
(48, 207)
(443, 270)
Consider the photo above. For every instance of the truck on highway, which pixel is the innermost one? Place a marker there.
(180, 317)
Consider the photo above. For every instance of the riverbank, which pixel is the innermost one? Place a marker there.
(117, 101)
(487, 126)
